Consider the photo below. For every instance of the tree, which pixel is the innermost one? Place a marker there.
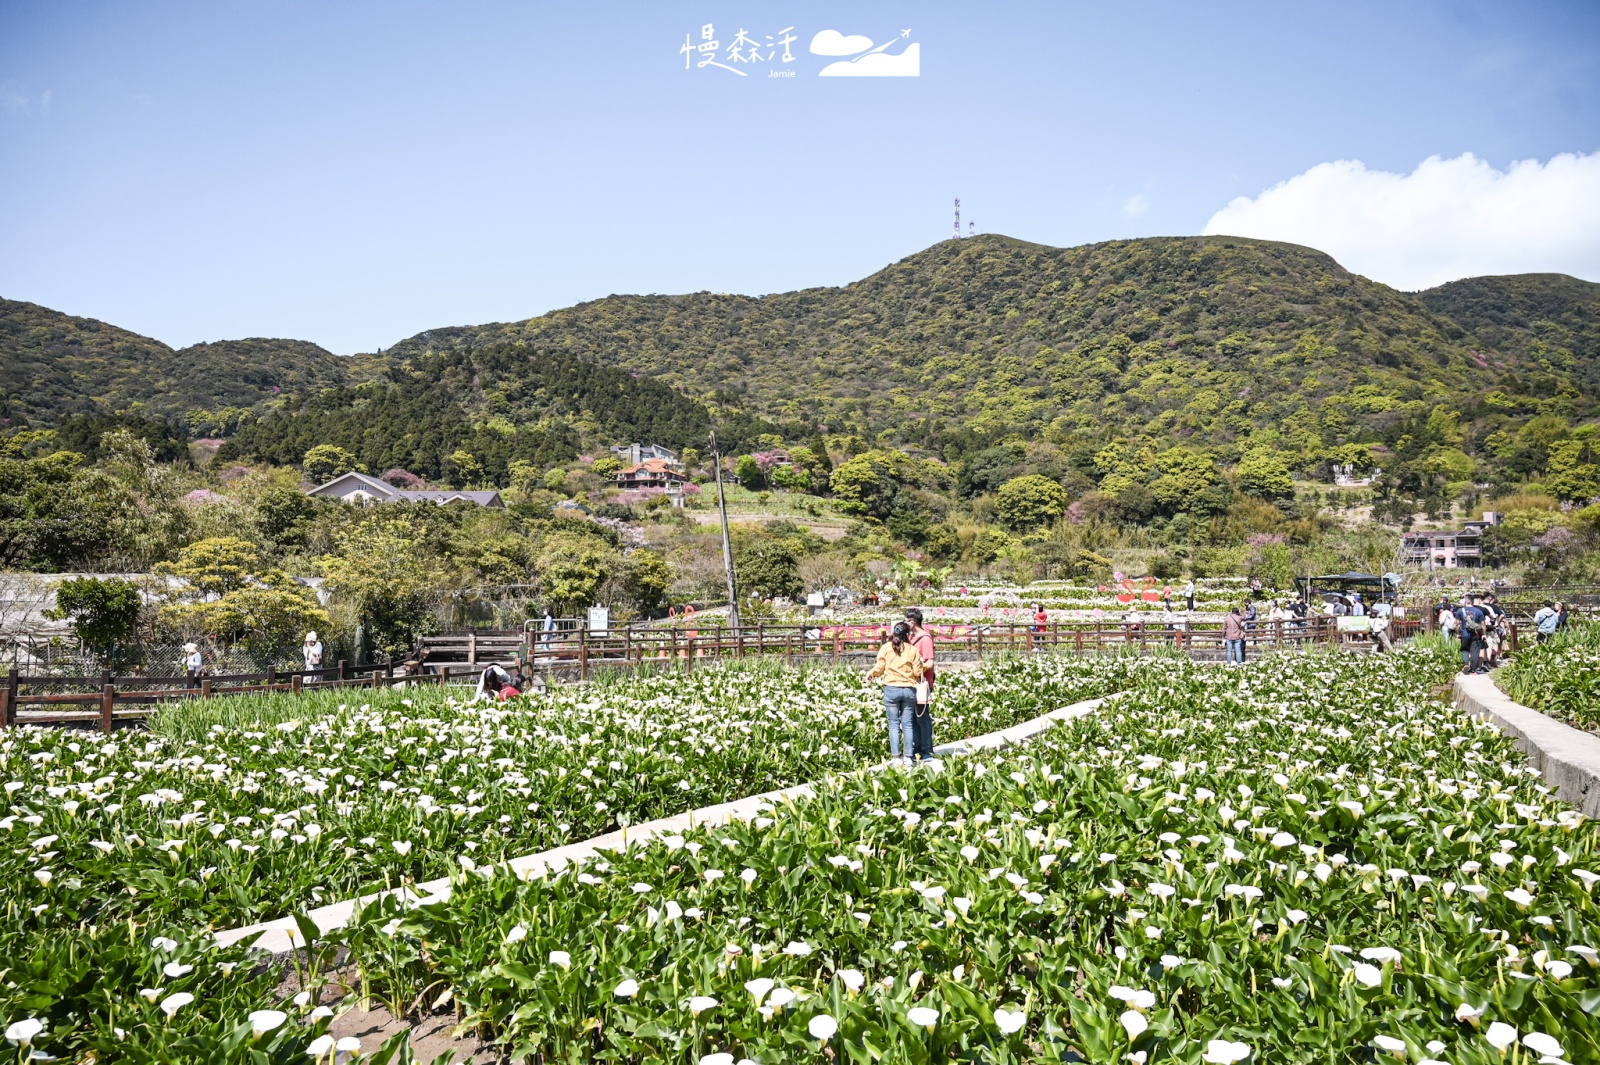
(214, 567)
(1025, 503)
(767, 567)
(1567, 477)
(55, 515)
(283, 516)
(465, 467)
(223, 588)
(749, 472)
(1184, 474)
(384, 573)
(643, 579)
(104, 613)
(988, 469)
(1266, 476)
(572, 567)
(606, 467)
(867, 485)
(326, 461)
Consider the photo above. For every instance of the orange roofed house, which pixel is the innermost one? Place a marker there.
(657, 474)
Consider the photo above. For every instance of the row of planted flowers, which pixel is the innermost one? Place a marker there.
(1305, 860)
(1559, 676)
(120, 853)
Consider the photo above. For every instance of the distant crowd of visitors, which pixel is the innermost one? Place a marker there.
(1484, 628)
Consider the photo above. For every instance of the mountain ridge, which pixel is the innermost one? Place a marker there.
(1215, 341)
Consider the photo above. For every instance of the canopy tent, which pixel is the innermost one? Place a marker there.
(1372, 586)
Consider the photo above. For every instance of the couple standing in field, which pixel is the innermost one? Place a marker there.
(905, 663)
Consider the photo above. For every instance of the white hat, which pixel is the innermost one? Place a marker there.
(191, 648)
(311, 637)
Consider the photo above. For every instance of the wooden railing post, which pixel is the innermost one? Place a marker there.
(294, 683)
(205, 687)
(344, 670)
(583, 654)
(272, 677)
(108, 697)
(980, 644)
(13, 689)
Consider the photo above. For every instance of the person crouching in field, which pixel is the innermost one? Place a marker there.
(902, 669)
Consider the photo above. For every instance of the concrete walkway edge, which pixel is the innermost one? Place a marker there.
(283, 935)
(1568, 758)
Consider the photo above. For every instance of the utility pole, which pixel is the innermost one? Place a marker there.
(727, 544)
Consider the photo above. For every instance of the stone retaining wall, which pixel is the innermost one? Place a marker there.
(1568, 758)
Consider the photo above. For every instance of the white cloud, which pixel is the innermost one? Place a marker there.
(832, 42)
(908, 64)
(1447, 219)
(1136, 205)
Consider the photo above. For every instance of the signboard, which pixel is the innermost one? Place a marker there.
(600, 619)
(1354, 624)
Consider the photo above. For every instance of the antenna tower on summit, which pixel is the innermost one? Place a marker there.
(957, 234)
(972, 229)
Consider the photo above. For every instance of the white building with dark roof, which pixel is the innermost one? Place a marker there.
(355, 487)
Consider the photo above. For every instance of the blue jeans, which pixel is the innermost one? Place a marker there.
(1235, 651)
(899, 705)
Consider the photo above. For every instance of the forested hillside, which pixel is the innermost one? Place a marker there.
(53, 365)
(1548, 323)
(498, 403)
(1212, 343)
(1209, 339)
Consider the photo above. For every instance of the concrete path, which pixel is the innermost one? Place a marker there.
(1568, 758)
(282, 935)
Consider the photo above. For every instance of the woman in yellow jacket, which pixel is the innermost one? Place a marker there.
(901, 668)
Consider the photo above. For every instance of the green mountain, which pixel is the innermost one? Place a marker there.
(1546, 321)
(1209, 343)
(1203, 339)
(53, 365)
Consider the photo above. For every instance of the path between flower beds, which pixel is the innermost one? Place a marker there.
(1568, 758)
(282, 935)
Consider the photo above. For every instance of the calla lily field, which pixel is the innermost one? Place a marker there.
(1308, 859)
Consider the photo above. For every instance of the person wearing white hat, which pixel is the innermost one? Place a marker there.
(312, 650)
(193, 664)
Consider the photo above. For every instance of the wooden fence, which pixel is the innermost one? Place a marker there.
(583, 652)
(106, 700)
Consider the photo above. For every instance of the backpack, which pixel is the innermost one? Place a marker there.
(1474, 622)
(1448, 621)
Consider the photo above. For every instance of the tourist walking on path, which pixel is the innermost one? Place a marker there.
(1041, 622)
(193, 665)
(1188, 595)
(1233, 636)
(311, 651)
(1545, 620)
(922, 717)
(1471, 620)
(901, 668)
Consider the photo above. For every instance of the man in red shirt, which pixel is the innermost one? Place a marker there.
(922, 719)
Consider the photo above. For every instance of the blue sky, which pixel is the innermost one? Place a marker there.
(354, 173)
